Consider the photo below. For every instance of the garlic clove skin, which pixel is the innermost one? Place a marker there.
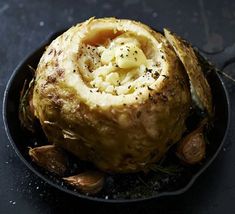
(51, 158)
(192, 149)
(90, 182)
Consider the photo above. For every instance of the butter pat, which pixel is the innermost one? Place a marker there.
(107, 56)
(129, 56)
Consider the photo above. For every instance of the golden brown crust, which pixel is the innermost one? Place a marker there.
(121, 133)
(193, 68)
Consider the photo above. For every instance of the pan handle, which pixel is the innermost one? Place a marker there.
(223, 58)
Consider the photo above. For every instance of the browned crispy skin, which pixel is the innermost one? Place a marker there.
(95, 133)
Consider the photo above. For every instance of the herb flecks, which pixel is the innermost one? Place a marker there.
(170, 170)
(25, 109)
(149, 70)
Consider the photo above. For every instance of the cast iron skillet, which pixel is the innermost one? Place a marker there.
(122, 188)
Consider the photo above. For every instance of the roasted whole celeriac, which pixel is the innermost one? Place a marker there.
(115, 93)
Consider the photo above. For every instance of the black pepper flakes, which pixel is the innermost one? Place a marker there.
(155, 75)
(149, 70)
(135, 59)
(121, 56)
(129, 86)
(165, 76)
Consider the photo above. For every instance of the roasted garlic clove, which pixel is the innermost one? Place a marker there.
(50, 158)
(191, 149)
(90, 182)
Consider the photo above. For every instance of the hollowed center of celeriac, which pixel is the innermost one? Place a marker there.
(118, 66)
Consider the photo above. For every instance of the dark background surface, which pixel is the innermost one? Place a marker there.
(209, 25)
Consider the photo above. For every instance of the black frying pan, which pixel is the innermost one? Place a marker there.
(130, 187)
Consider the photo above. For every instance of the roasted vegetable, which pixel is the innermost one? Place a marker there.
(192, 148)
(90, 182)
(115, 93)
(50, 158)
